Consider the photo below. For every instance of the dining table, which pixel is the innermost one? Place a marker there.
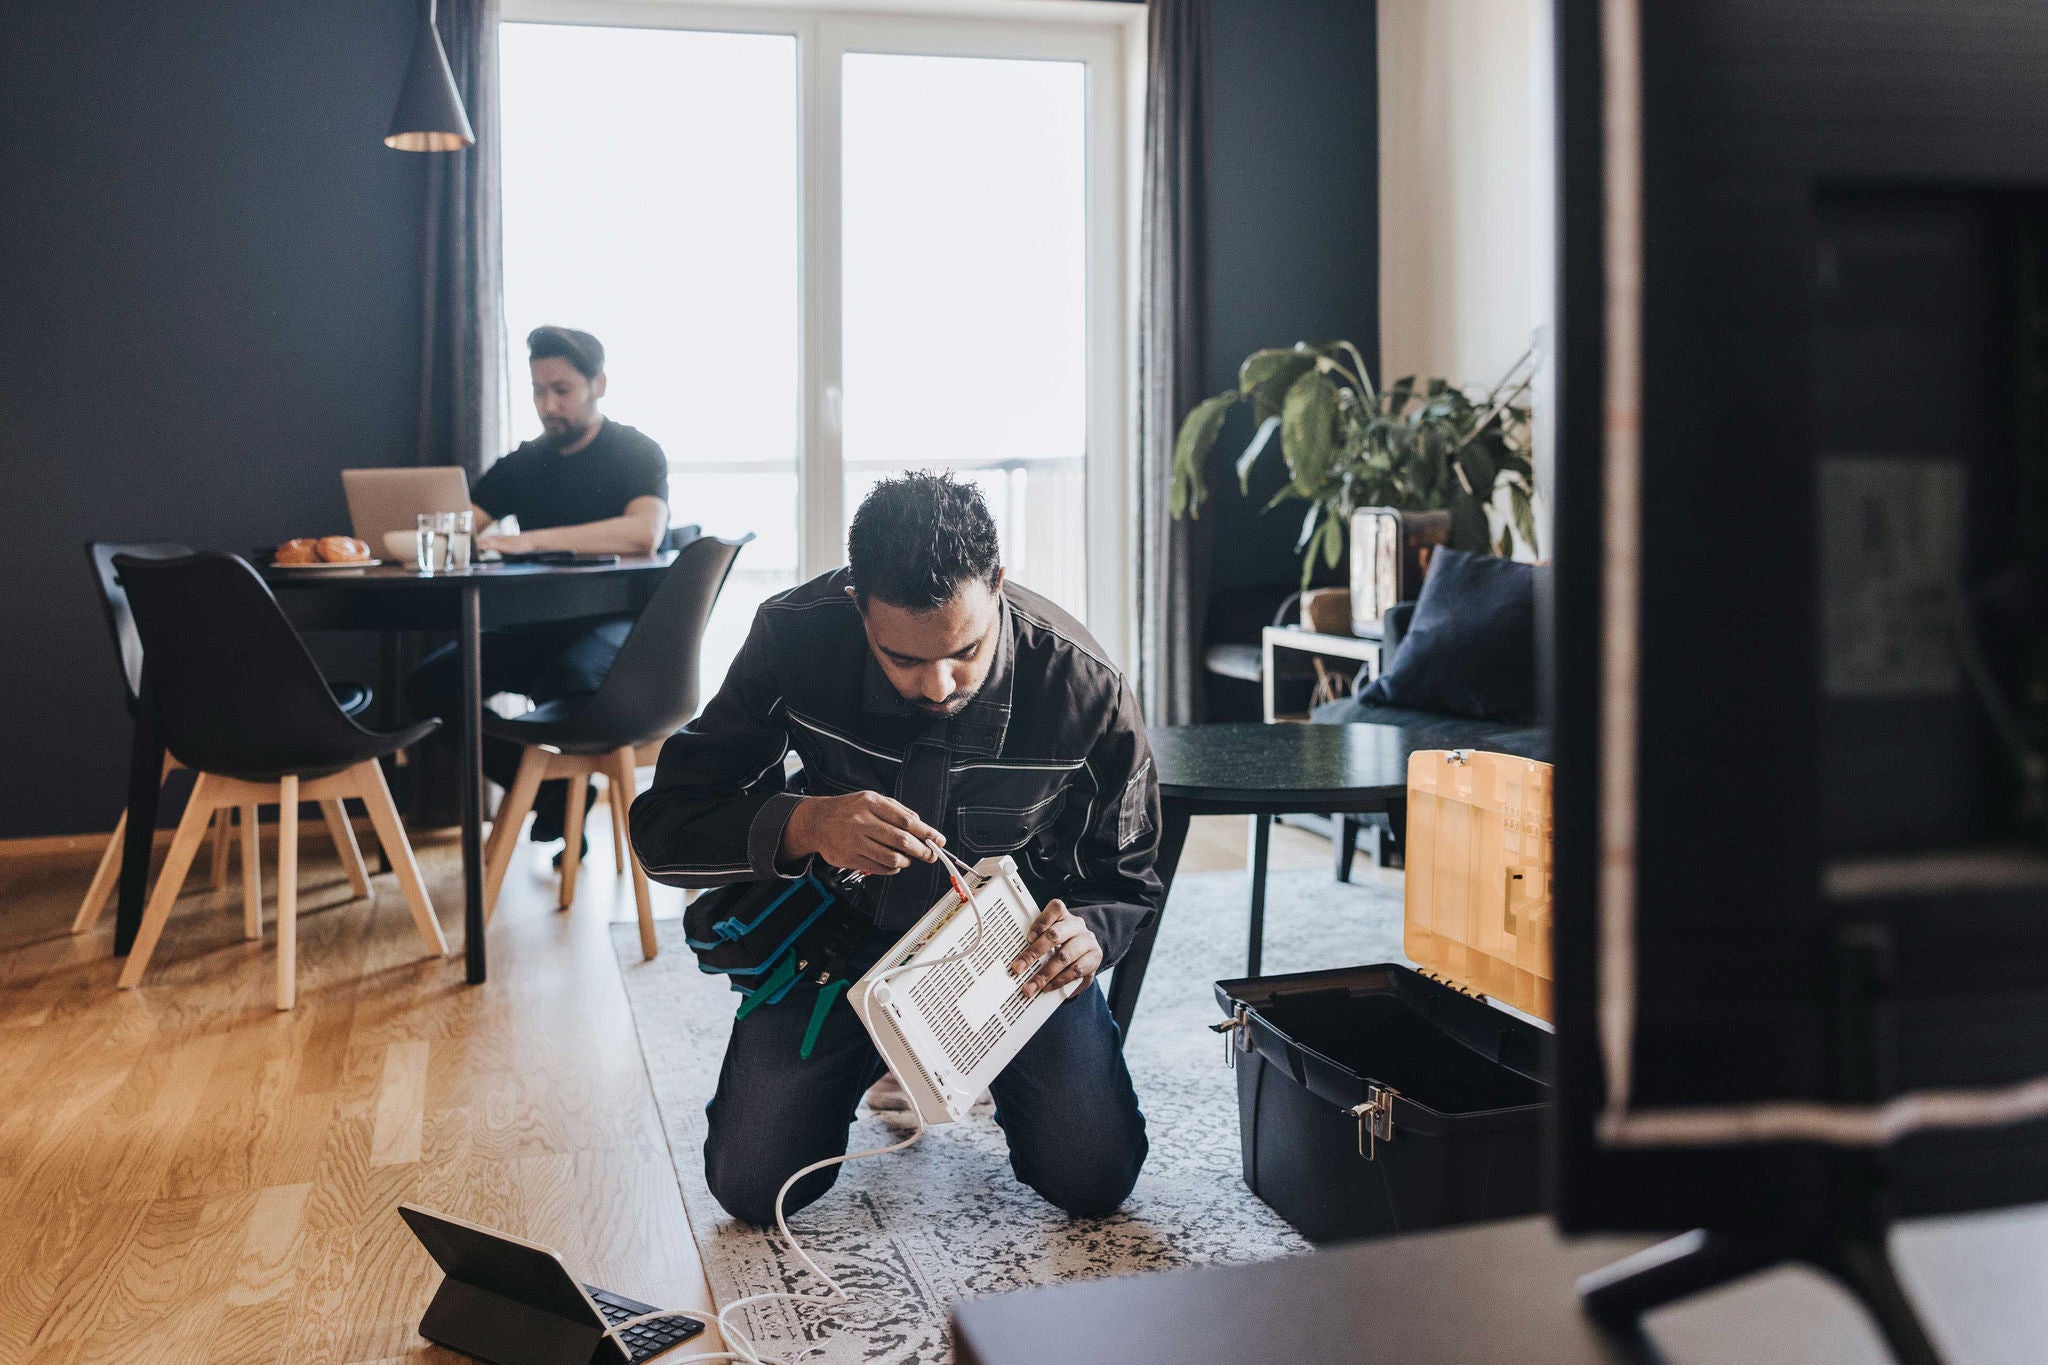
(395, 598)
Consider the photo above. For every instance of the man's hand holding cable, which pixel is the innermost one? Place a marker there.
(1068, 946)
(862, 832)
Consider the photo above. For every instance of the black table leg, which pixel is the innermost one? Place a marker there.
(1257, 854)
(1393, 849)
(1129, 975)
(145, 784)
(469, 644)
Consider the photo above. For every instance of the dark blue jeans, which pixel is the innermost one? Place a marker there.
(1065, 1103)
(547, 661)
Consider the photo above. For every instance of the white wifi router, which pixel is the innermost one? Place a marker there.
(948, 1027)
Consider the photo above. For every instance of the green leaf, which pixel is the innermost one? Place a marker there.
(1308, 529)
(1308, 430)
(1333, 541)
(1189, 487)
(1252, 451)
(1266, 376)
(1523, 512)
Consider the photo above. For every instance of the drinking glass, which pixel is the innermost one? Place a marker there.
(461, 538)
(430, 542)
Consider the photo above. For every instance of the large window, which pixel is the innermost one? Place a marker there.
(822, 249)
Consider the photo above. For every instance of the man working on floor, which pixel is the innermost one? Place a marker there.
(585, 484)
(931, 702)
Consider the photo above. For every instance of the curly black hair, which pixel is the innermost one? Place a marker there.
(917, 538)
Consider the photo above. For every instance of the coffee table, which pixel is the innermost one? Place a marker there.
(1262, 771)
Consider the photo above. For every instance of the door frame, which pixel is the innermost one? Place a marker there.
(1109, 38)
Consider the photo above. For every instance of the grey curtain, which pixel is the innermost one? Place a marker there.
(462, 327)
(1172, 555)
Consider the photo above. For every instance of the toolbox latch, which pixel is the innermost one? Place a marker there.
(1237, 1034)
(1375, 1119)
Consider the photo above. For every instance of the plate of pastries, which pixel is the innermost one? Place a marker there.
(319, 553)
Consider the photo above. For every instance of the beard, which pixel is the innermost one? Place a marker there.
(951, 706)
(557, 432)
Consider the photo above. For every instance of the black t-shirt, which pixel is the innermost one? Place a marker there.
(543, 487)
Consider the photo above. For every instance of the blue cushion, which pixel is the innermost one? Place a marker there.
(1471, 648)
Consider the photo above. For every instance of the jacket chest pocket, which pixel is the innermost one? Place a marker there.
(989, 830)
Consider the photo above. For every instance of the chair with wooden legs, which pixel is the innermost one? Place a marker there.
(354, 698)
(650, 693)
(240, 702)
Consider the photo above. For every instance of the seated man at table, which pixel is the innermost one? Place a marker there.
(932, 703)
(585, 484)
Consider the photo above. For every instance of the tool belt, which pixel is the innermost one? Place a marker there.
(768, 936)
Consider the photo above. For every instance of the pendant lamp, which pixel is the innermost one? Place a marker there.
(430, 117)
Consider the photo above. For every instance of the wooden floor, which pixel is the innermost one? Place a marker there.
(188, 1175)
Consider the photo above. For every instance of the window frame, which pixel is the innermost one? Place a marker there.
(1108, 37)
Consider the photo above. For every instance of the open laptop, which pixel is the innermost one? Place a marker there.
(381, 500)
(515, 1303)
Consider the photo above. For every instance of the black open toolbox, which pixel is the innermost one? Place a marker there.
(1383, 1099)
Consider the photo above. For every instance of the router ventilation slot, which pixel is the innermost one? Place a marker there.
(938, 991)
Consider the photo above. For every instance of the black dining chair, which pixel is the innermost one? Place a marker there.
(239, 700)
(352, 697)
(650, 693)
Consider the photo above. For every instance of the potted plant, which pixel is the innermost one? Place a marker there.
(1417, 445)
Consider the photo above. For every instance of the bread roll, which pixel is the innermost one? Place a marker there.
(300, 551)
(342, 550)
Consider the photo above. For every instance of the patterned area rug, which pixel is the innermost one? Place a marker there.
(946, 1219)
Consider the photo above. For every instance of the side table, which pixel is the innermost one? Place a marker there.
(1364, 649)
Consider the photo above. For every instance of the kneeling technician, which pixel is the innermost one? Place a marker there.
(929, 700)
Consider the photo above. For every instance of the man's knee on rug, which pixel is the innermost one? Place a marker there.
(1086, 1185)
(745, 1183)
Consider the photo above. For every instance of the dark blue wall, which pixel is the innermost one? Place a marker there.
(1293, 227)
(209, 264)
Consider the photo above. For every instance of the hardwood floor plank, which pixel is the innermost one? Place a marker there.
(67, 1260)
(395, 1131)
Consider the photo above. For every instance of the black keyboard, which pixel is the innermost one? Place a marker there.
(649, 1339)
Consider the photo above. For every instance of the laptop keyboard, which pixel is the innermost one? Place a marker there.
(649, 1339)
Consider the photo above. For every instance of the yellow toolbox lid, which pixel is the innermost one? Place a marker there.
(1477, 899)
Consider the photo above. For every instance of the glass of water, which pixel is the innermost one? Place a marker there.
(431, 541)
(461, 532)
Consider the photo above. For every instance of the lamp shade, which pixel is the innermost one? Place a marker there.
(430, 117)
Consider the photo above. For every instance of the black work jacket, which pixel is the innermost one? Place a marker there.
(1048, 763)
